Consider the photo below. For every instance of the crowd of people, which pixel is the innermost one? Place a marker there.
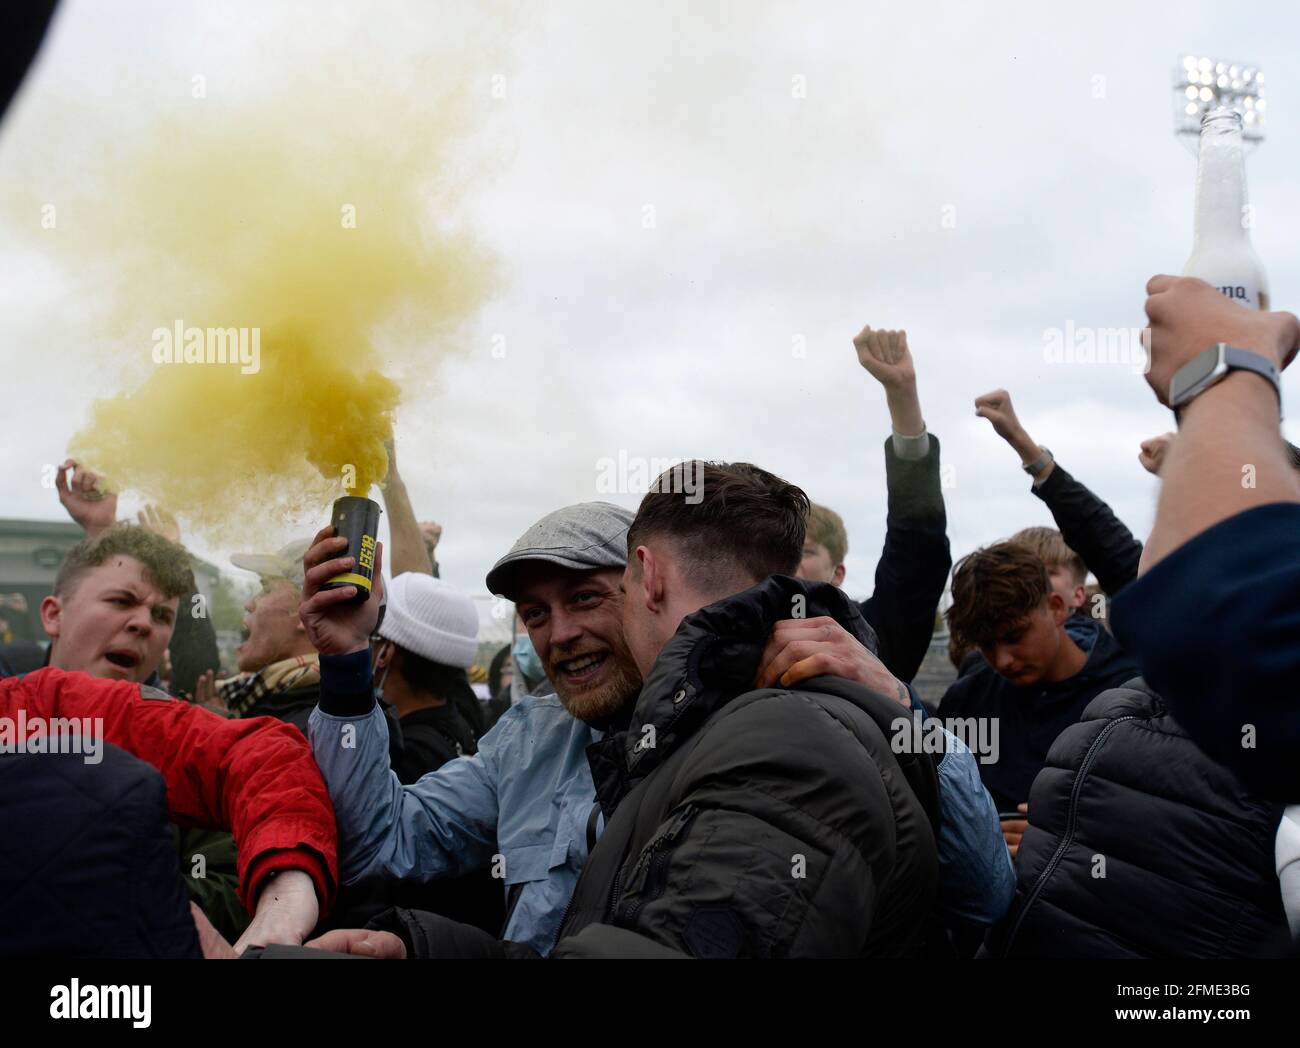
(697, 744)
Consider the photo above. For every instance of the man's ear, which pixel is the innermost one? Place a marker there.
(1056, 607)
(1080, 596)
(650, 570)
(51, 616)
(385, 654)
(838, 578)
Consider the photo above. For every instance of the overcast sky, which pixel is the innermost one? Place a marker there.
(697, 205)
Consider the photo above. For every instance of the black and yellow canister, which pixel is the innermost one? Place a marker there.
(357, 520)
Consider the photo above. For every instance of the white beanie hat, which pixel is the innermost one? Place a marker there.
(428, 617)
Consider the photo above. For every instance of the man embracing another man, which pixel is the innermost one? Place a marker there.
(746, 801)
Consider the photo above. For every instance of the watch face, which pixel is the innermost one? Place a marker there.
(1196, 374)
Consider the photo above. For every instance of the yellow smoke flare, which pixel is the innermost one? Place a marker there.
(322, 226)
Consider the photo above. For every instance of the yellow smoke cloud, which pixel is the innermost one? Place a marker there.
(322, 214)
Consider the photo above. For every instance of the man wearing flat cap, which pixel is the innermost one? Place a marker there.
(522, 807)
(525, 805)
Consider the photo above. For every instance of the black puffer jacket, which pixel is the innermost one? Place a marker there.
(89, 867)
(1139, 845)
(743, 823)
(1030, 718)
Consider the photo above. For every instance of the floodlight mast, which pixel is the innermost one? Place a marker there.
(1203, 84)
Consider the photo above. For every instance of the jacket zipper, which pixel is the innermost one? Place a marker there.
(653, 853)
(568, 906)
(670, 835)
(1070, 826)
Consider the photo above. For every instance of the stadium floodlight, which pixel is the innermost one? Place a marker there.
(1202, 84)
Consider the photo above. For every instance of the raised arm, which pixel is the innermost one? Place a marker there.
(443, 824)
(81, 493)
(913, 565)
(1213, 618)
(1087, 524)
(408, 551)
(1232, 425)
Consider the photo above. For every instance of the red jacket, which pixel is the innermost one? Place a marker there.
(254, 777)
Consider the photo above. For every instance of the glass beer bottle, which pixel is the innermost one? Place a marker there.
(1222, 254)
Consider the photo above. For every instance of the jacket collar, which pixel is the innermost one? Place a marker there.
(711, 659)
(1103, 651)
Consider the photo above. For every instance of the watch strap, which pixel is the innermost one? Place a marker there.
(1248, 360)
(1039, 464)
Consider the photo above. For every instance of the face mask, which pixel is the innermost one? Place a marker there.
(526, 660)
(379, 683)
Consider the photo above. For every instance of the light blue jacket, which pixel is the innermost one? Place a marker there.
(977, 882)
(520, 807)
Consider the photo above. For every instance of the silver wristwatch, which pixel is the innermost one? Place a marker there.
(1208, 367)
(1035, 468)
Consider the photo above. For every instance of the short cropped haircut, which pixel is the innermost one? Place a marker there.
(738, 522)
(1049, 546)
(166, 565)
(993, 589)
(826, 528)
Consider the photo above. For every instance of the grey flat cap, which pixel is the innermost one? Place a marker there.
(583, 537)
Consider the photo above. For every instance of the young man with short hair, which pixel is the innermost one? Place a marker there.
(193, 645)
(1096, 540)
(110, 617)
(1036, 679)
(114, 604)
(747, 821)
(1066, 572)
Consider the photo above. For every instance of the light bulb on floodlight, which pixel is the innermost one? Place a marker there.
(1202, 83)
